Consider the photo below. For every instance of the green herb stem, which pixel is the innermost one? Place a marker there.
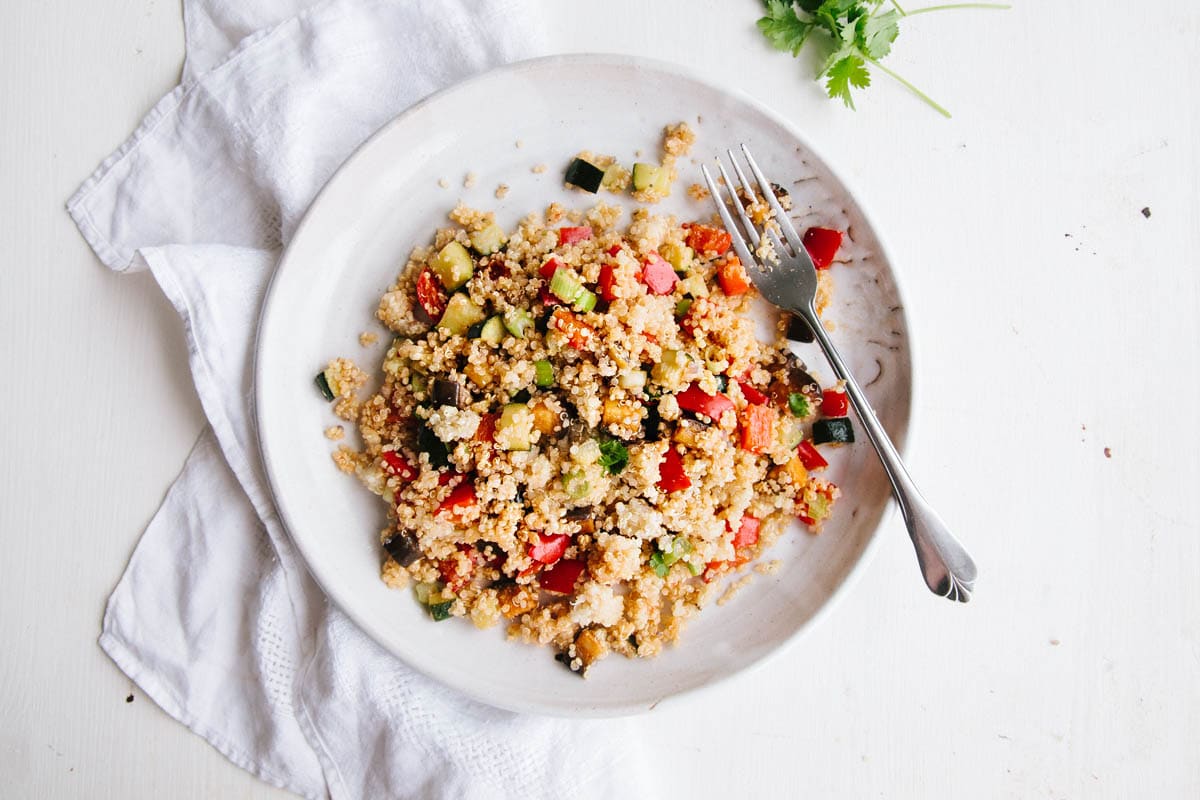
(934, 104)
(952, 6)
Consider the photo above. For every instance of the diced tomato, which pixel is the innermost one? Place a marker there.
(396, 464)
(758, 428)
(747, 532)
(607, 281)
(751, 394)
(822, 245)
(430, 295)
(562, 576)
(732, 277)
(708, 240)
(810, 457)
(834, 403)
(579, 334)
(547, 298)
(461, 498)
(549, 549)
(612, 251)
(448, 477)
(575, 234)
(548, 269)
(671, 477)
(486, 432)
(695, 400)
(658, 275)
(496, 268)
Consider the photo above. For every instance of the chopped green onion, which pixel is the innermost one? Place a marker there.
(695, 569)
(682, 307)
(660, 568)
(614, 456)
(586, 301)
(565, 287)
(798, 403)
(441, 611)
(543, 373)
(323, 384)
(518, 321)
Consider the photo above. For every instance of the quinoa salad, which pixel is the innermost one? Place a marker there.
(578, 434)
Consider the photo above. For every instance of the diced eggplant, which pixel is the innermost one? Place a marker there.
(585, 175)
(403, 548)
(833, 431)
(796, 380)
(798, 330)
(450, 393)
(429, 443)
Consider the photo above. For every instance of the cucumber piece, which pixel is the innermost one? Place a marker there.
(670, 369)
(645, 175)
(615, 178)
(662, 182)
(633, 379)
(488, 240)
(518, 321)
(586, 301)
(544, 373)
(565, 287)
(423, 591)
(441, 610)
(694, 285)
(585, 175)
(514, 429)
(493, 330)
(454, 265)
(576, 485)
(678, 255)
(323, 384)
(833, 431)
(694, 568)
(460, 314)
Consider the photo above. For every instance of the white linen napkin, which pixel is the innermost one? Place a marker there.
(216, 618)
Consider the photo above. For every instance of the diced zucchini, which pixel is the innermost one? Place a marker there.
(514, 429)
(323, 384)
(423, 591)
(614, 178)
(680, 547)
(544, 373)
(493, 330)
(576, 485)
(633, 379)
(670, 369)
(489, 240)
(645, 175)
(565, 287)
(586, 301)
(419, 383)
(694, 285)
(662, 182)
(460, 315)
(585, 175)
(440, 610)
(679, 255)
(683, 306)
(833, 431)
(791, 433)
(518, 321)
(454, 265)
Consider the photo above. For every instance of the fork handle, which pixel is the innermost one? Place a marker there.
(945, 564)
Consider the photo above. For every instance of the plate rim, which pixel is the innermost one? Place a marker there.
(686, 73)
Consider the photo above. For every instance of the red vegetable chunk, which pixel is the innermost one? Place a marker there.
(671, 477)
(751, 394)
(709, 240)
(834, 403)
(822, 244)
(574, 234)
(396, 464)
(430, 295)
(732, 277)
(658, 275)
(747, 532)
(758, 428)
(607, 281)
(548, 269)
(810, 457)
(460, 499)
(562, 576)
(695, 400)
(549, 548)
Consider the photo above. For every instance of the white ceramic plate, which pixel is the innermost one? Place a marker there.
(387, 199)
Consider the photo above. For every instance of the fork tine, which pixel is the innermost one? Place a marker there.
(751, 231)
(739, 244)
(781, 216)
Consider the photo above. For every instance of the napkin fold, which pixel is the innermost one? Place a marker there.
(216, 618)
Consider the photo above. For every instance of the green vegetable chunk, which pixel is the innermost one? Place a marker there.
(798, 404)
(614, 456)
(323, 384)
(543, 372)
(454, 265)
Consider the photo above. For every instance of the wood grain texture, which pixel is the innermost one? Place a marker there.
(1051, 320)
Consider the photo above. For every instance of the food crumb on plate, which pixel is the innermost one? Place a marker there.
(734, 588)
(698, 192)
(518, 144)
(538, 169)
(335, 433)
(768, 567)
(469, 180)
(442, 182)
(502, 191)
(368, 338)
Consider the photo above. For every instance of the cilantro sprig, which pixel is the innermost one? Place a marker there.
(857, 33)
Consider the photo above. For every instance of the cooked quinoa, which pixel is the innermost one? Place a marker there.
(578, 433)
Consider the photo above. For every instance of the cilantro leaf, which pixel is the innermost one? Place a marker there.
(849, 71)
(877, 32)
(783, 29)
(614, 456)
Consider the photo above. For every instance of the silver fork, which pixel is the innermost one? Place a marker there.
(792, 285)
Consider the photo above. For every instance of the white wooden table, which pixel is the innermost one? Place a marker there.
(1058, 343)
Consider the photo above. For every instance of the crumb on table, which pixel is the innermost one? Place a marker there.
(469, 180)
(335, 433)
(442, 182)
(501, 191)
(538, 169)
(367, 338)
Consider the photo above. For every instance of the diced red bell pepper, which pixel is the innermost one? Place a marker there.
(695, 400)
(834, 403)
(548, 269)
(448, 569)
(671, 477)
(448, 477)
(612, 251)
(396, 464)
(486, 432)
(822, 245)
(548, 299)
(810, 457)
(747, 532)
(579, 334)
(607, 280)
(732, 277)
(571, 235)
(549, 549)
(758, 428)
(751, 394)
(709, 240)
(658, 275)
(430, 294)
(562, 576)
(461, 498)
